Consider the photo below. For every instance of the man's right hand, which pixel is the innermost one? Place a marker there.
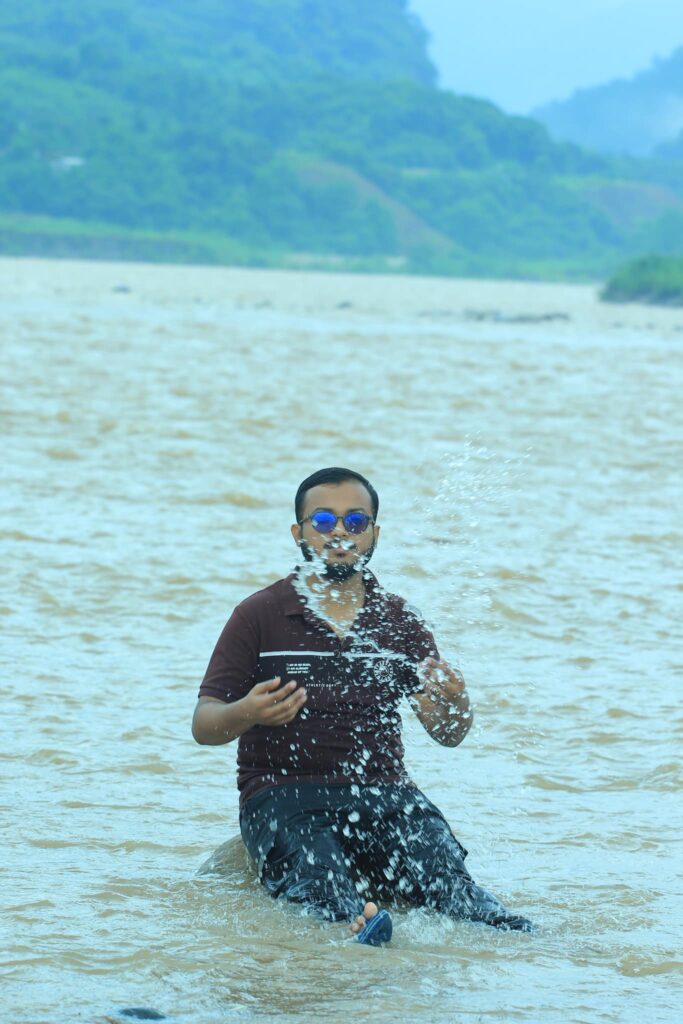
(268, 703)
(271, 704)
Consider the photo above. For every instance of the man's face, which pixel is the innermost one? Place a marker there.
(339, 553)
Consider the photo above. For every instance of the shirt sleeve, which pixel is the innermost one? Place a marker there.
(419, 644)
(232, 667)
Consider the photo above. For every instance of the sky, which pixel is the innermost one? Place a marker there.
(524, 53)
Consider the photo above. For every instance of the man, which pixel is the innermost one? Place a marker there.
(308, 673)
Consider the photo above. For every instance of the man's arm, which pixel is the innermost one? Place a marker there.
(443, 707)
(215, 722)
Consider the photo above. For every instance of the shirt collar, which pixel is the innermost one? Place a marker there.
(294, 604)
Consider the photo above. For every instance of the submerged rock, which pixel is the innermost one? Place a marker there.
(141, 1013)
(496, 316)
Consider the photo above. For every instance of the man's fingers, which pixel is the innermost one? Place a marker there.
(295, 702)
(444, 681)
(283, 693)
(286, 719)
(286, 704)
(271, 692)
(442, 672)
(269, 684)
(286, 710)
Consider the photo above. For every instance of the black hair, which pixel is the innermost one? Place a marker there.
(333, 475)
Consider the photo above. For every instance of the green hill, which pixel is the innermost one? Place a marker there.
(287, 131)
(633, 115)
(258, 41)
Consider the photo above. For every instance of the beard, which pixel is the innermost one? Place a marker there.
(336, 571)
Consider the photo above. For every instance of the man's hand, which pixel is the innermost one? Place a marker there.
(444, 705)
(443, 684)
(266, 704)
(271, 704)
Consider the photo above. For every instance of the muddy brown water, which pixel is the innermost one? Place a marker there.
(525, 441)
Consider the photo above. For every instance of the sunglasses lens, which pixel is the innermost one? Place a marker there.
(356, 522)
(323, 522)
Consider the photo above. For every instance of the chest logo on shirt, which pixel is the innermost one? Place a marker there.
(297, 668)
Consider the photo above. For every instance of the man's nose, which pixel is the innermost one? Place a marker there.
(339, 530)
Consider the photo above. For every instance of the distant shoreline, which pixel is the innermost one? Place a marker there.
(43, 237)
(651, 280)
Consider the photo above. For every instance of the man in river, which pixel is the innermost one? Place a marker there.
(308, 674)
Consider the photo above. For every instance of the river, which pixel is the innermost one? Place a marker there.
(525, 441)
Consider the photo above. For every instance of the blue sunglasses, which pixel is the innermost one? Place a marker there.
(325, 522)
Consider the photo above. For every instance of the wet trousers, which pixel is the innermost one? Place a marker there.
(333, 848)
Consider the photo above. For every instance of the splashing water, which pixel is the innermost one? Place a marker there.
(460, 536)
(110, 584)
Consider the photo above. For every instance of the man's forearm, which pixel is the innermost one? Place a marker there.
(215, 722)
(446, 722)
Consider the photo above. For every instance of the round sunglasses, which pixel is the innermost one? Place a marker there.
(325, 522)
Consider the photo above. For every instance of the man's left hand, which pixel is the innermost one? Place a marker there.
(443, 706)
(442, 683)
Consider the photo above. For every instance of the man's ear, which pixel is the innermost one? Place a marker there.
(297, 533)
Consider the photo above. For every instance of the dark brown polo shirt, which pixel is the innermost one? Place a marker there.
(349, 730)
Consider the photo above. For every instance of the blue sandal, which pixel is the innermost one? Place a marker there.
(377, 931)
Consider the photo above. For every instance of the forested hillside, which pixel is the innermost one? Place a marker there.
(285, 130)
(259, 40)
(633, 115)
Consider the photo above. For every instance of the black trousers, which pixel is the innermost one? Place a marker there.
(333, 848)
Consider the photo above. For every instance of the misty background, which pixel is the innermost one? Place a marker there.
(529, 53)
(531, 140)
